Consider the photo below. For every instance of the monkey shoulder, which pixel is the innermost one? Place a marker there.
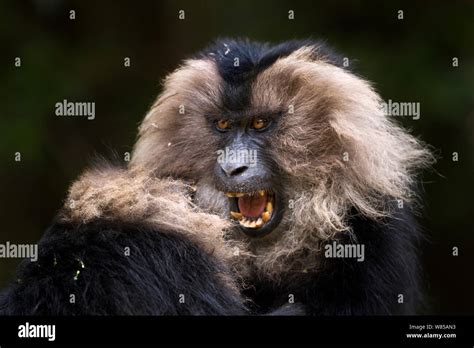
(98, 261)
(375, 267)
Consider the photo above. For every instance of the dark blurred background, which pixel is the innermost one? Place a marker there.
(83, 60)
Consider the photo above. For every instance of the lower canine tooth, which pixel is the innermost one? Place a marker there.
(269, 207)
(259, 222)
(236, 215)
(265, 216)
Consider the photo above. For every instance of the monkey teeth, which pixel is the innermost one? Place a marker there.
(269, 207)
(261, 193)
(252, 222)
(236, 215)
(234, 194)
(248, 222)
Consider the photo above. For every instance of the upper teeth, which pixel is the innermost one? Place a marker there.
(234, 194)
(261, 193)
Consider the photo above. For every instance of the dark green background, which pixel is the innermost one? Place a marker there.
(82, 60)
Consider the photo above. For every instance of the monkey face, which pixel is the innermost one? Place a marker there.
(246, 172)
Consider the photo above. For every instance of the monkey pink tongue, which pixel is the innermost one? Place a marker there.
(252, 206)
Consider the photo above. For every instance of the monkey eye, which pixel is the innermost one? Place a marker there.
(222, 125)
(259, 123)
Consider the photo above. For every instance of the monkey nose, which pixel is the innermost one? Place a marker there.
(233, 169)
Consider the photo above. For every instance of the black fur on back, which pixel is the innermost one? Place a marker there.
(161, 266)
(344, 286)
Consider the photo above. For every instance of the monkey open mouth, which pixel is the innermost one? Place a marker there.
(254, 211)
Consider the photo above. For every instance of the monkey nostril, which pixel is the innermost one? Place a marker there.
(239, 170)
(234, 170)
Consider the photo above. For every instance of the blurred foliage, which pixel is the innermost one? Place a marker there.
(82, 60)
